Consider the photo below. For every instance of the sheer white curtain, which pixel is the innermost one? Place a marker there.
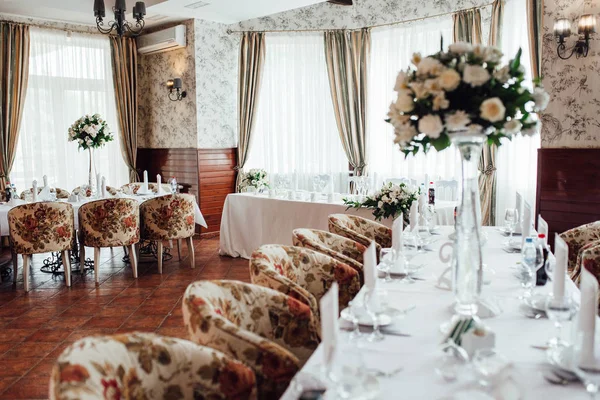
(516, 161)
(68, 78)
(391, 51)
(295, 126)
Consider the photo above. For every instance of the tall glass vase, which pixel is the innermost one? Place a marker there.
(92, 172)
(468, 263)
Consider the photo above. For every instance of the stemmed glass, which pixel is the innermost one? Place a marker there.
(559, 310)
(410, 249)
(387, 256)
(586, 366)
(349, 314)
(511, 219)
(376, 304)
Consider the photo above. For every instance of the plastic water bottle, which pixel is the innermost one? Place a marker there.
(174, 185)
(541, 275)
(528, 266)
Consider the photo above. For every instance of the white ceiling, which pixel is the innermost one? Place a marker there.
(158, 11)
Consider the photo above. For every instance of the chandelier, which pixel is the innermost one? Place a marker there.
(120, 25)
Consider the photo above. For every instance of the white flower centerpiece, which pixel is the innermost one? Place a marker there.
(465, 97)
(255, 178)
(90, 132)
(388, 202)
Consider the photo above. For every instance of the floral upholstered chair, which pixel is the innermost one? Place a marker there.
(147, 366)
(361, 230)
(88, 193)
(169, 217)
(272, 333)
(588, 257)
(41, 227)
(134, 187)
(577, 238)
(60, 193)
(342, 249)
(109, 223)
(303, 274)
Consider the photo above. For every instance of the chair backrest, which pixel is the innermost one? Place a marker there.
(109, 223)
(152, 186)
(303, 274)
(148, 366)
(577, 238)
(398, 181)
(41, 227)
(78, 191)
(588, 257)
(361, 230)
(446, 190)
(60, 193)
(168, 217)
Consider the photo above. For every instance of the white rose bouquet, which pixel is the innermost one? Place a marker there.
(257, 178)
(90, 132)
(463, 89)
(389, 201)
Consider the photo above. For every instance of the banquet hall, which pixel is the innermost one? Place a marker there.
(299, 199)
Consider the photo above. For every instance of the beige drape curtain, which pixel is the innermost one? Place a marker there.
(534, 16)
(467, 26)
(14, 74)
(251, 65)
(124, 65)
(347, 54)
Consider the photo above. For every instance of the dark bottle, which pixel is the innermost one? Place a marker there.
(542, 277)
(8, 192)
(431, 194)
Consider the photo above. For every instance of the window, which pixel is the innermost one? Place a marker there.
(295, 129)
(68, 78)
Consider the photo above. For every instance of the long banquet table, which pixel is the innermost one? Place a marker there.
(249, 221)
(420, 353)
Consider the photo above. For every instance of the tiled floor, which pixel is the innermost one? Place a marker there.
(36, 327)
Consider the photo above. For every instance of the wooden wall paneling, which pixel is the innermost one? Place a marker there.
(568, 189)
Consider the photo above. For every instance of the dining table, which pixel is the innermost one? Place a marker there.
(252, 220)
(407, 364)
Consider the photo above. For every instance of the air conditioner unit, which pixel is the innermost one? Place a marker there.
(165, 40)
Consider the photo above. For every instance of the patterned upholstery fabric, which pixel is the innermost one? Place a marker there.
(60, 193)
(41, 227)
(342, 249)
(361, 230)
(146, 366)
(78, 190)
(135, 186)
(272, 333)
(303, 274)
(109, 223)
(589, 253)
(578, 237)
(168, 217)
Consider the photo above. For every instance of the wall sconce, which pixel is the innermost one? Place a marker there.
(175, 92)
(585, 28)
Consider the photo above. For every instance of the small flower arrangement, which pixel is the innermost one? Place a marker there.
(90, 132)
(256, 178)
(463, 89)
(388, 202)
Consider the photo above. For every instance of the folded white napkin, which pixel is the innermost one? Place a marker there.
(44, 194)
(159, 183)
(145, 185)
(45, 179)
(588, 311)
(370, 266)
(519, 207)
(104, 194)
(329, 307)
(397, 229)
(526, 222)
(445, 280)
(81, 197)
(98, 185)
(414, 215)
(73, 198)
(543, 227)
(34, 191)
(561, 252)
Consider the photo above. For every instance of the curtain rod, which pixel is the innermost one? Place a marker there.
(42, 26)
(369, 27)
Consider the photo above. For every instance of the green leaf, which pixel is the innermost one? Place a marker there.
(441, 143)
(516, 62)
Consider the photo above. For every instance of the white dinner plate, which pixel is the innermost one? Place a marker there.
(537, 302)
(561, 358)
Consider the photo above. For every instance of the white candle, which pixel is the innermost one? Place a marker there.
(34, 190)
(562, 257)
(45, 180)
(145, 181)
(159, 183)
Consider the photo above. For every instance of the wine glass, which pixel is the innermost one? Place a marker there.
(511, 219)
(376, 304)
(585, 364)
(410, 249)
(559, 309)
(489, 366)
(387, 256)
(350, 314)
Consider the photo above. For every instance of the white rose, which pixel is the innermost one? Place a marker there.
(429, 66)
(385, 199)
(88, 141)
(433, 85)
(492, 110)
(80, 141)
(531, 131)
(404, 134)
(479, 51)
(93, 134)
(475, 75)
(405, 103)
(460, 47)
(492, 55)
(396, 117)
(512, 127)
(380, 204)
(440, 102)
(449, 80)
(457, 121)
(416, 59)
(420, 90)
(431, 125)
(541, 98)
(96, 116)
(401, 81)
(502, 75)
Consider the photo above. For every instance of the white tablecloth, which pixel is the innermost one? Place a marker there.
(5, 208)
(249, 221)
(419, 354)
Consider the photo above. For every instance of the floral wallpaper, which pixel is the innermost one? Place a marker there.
(216, 84)
(50, 24)
(163, 123)
(572, 118)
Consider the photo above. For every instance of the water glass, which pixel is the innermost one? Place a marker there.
(511, 219)
(348, 372)
(489, 366)
(387, 257)
(376, 304)
(586, 366)
(559, 310)
(350, 314)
